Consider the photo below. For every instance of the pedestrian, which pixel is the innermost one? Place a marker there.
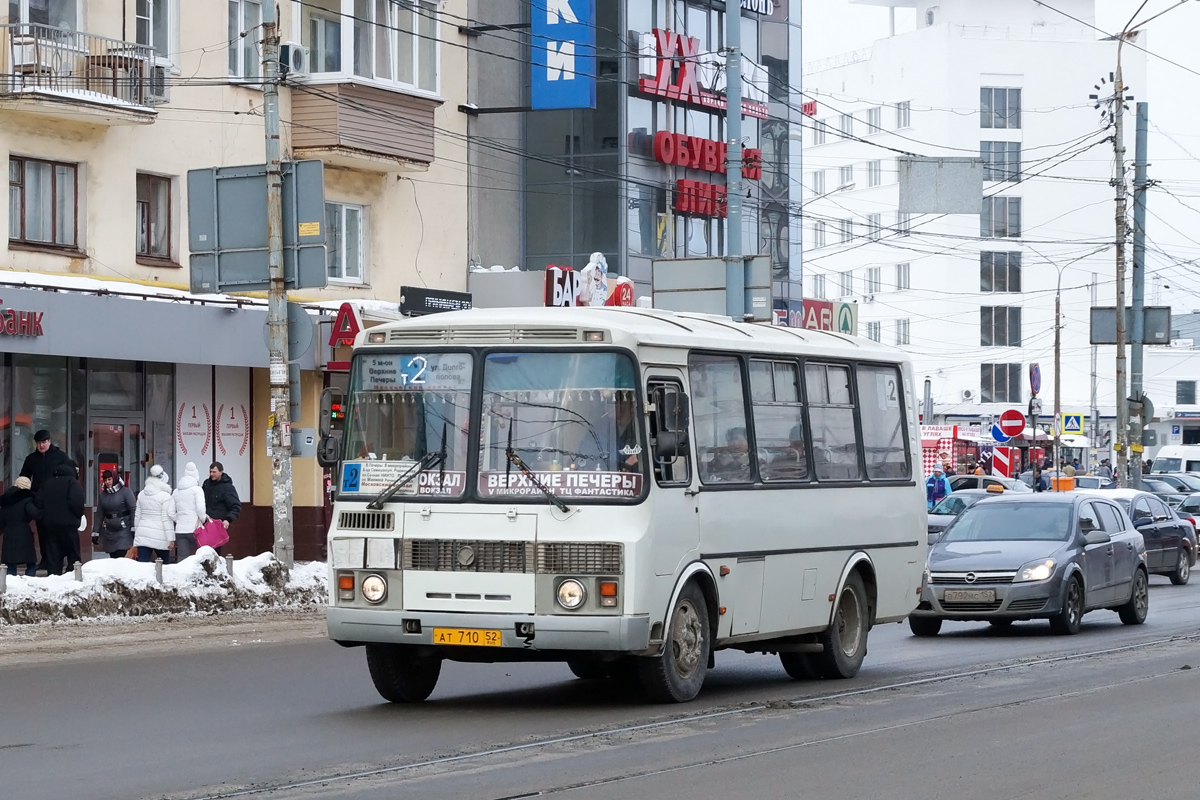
(112, 522)
(1105, 470)
(1146, 465)
(220, 496)
(1068, 470)
(17, 510)
(978, 470)
(936, 487)
(39, 465)
(1043, 483)
(189, 511)
(61, 503)
(154, 519)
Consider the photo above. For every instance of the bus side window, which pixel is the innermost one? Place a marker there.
(675, 471)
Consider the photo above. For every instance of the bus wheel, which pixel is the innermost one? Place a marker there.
(399, 675)
(845, 641)
(801, 666)
(677, 675)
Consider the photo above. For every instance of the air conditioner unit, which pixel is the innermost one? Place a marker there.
(293, 60)
(968, 394)
(158, 91)
(868, 298)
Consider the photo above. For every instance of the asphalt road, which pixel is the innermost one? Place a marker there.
(975, 712)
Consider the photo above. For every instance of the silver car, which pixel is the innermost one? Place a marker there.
(1052, 556)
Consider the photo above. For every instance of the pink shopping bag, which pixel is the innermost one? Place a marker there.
(212, 534)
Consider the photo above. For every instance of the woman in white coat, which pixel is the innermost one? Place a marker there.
(189, 511)
(154, 519)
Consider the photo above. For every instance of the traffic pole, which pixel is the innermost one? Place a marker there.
(277, 325)
(1122, 443)
(1137, 422)
(735, 264)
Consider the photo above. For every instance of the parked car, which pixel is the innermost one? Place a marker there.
(1180, 481)
(1190, 518)
(1094, 482)
(961, 482)
(1170, 540)
(1190, 504)
(1051, 555)
(950, 507)
(1164, 491)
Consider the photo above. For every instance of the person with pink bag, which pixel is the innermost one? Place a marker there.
(189, 511)
(223, 505)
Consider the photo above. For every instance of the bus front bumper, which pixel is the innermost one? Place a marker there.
(550, 632)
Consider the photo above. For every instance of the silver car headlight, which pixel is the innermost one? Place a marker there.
(1035, 571)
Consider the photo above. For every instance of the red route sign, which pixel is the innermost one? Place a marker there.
(1012, 422)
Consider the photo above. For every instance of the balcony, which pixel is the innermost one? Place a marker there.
(363, 127)
(78, 76)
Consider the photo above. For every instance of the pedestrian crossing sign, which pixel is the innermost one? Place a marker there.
(1072, 423)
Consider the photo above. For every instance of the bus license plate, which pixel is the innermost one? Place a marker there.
(969, 596)
(469, 637)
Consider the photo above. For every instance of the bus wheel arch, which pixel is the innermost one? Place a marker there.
(676, 674)
(861, 564)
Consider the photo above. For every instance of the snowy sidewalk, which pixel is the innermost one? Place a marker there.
(200, 584)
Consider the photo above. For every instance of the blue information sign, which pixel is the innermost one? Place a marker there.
(562, 54)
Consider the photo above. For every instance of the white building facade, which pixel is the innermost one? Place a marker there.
(972, 296)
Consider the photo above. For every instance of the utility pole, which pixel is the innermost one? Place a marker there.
(1138, 422)
(1094, 430)
(735, 263)
(1119, 180)
(277, 325)
(1057, 373)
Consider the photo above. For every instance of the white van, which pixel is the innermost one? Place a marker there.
(1177, 458)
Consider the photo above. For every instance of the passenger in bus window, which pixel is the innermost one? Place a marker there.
(618, 432)
(731, 462)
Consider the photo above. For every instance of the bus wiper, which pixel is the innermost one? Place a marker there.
(515, 459)
(428, 461)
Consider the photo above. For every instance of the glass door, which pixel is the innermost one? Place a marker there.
(116, 444)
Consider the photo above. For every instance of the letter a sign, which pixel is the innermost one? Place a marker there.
(562, 54)
(345, 326)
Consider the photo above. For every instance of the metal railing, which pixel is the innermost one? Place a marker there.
(72, 64)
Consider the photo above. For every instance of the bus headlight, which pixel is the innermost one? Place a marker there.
(571, 594)
(374, 589)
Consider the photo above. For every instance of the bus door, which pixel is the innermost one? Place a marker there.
(675, 530)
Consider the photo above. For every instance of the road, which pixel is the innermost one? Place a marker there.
(975, 712)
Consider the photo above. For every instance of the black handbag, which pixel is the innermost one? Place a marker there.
(114, 524)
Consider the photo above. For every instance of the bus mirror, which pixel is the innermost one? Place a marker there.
(329, 450)
(673, 413)
(670, 445)
(333, 412)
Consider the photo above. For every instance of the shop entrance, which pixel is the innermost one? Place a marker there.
(116, 444)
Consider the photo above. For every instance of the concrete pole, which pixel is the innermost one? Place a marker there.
(1057, 371)
(1094, 431)
(1138, 421)
(735, 264)
(1122, 442)
(277, 325)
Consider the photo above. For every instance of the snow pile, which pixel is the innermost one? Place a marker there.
(199, 584)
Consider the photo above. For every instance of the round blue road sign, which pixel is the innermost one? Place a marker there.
(999, 435)
(1035, 378)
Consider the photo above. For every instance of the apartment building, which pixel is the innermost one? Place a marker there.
(972, 296)
(106, 106)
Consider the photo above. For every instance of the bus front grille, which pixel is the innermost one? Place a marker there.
(367, 521)
(460, 555)
(579, 558)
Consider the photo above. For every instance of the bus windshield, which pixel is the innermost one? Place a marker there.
(403, 407)
(571, 418)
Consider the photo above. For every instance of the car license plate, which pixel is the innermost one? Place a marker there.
(969, 596)
(469, 637)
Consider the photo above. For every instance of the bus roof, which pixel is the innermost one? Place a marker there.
(628, 327)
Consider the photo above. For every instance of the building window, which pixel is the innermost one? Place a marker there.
(845, 176)
(874, 119)
(60, 14)
(817, 182)
(999, 108)
(818, 234)
(344, 238)
(846, 125)
(1001, 218)
(845, 283)
(1185, 393)
(245, 17)
(999, 272)
(153, 216)
(902, 276)
(819, 128)
(43, 202)
(903, 223)
(152, 19)
(874, 280)
(874, 226)
(1000, 326)
(1000, 383)
(1001, 160)
(874, 173)
(818, 287)
(903, 114)
(873, 331)
(394, 41)
(845, 230)
(902, 331)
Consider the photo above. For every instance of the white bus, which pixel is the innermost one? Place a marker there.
(625, 490)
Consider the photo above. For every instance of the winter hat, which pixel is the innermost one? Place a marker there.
(23, 483)
(42, 436)
(157, 472)
(190, 471)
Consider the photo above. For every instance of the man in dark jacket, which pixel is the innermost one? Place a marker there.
(39, 465)
(220, 497)
(61, 502)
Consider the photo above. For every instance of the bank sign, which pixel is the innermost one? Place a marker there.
(562, 54)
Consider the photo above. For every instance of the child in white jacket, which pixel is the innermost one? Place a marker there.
(189, 511)
(154, 519)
